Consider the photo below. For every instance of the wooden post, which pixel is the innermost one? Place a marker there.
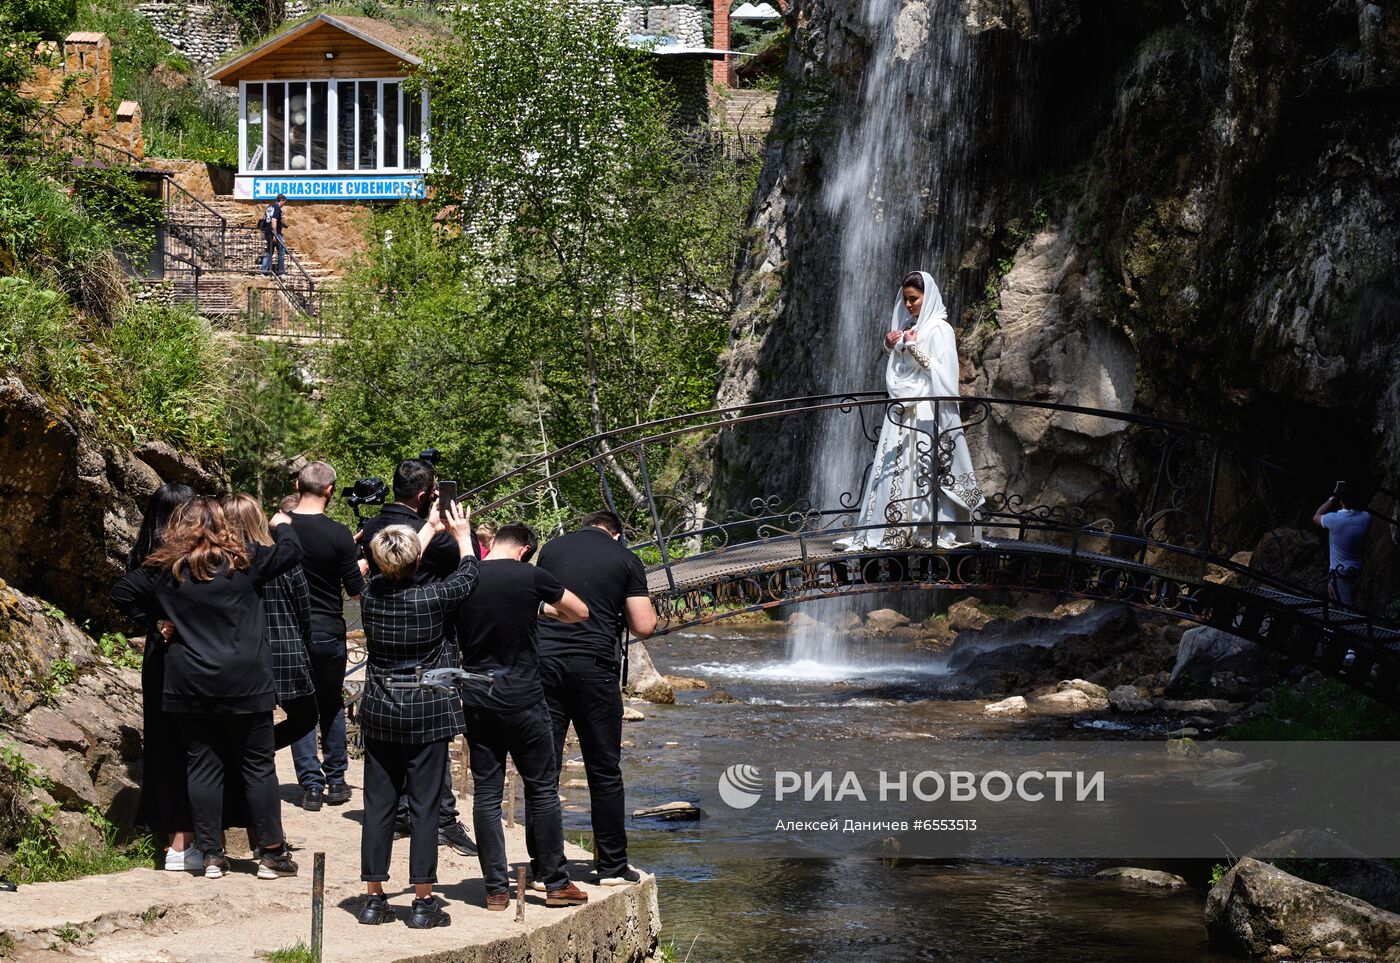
(318, 903)
(520, 894)
(510, 797)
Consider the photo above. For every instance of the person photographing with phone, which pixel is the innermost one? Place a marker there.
(1347, 527)
(407, 728)
(418, 495)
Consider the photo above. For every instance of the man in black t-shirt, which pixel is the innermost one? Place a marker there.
(497, 628)
(415, 497)
(581, 667)
(330, 563)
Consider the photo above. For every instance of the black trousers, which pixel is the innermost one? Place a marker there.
(165, 797)
(392, 768)
(232, 746)
(588, 694)
(447, 814)
(524, 735)
(302, 716)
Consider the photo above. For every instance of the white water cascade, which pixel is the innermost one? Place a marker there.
(898, 200)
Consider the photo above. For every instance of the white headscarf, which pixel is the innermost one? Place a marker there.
(905, 377)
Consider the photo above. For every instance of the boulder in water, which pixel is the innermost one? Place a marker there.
(1146, 877)
(1208, 659)
(631, 715)
(967, 614)
(1260, 910)
(719, 696)
(671, 811)
(1091, 689)
(685, 683)
(1070, 700)
(642, 678)
(1125, 698)
(885, 621)
(1013, 706)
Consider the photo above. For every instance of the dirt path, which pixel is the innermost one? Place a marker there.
(146, 915)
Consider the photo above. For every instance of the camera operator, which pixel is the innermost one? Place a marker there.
(415, 493)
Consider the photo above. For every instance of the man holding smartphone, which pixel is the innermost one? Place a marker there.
(1347, 528)
(417, 495)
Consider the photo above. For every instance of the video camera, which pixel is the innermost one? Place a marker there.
(367, 491)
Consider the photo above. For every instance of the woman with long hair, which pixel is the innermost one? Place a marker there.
(921, 488)
(287, 610)
(164, 808)
(206, 580)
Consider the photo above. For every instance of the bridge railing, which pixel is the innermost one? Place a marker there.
(1172, 496)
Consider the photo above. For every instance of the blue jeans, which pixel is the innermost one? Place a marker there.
(328, 673)
(274, 243)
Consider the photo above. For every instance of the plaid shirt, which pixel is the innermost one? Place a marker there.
(406, 628)
(287, 610)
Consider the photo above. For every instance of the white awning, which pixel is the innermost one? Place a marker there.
(750, 11)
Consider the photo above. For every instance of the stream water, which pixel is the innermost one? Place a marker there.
(719, 908)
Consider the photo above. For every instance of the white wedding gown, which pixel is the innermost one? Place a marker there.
(921, 488)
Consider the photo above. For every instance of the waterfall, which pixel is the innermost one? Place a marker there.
(898, 200)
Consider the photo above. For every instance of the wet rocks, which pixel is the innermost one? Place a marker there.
(670, 812)
(1215, 661)
(1012, 706)
(884, 621)
(643, 680)
(1093, 690)
(717, 697)
(1145, 877)
(1263, 911)
(1126, 698)
(1069, 700)
(685, 683)
(630, 714)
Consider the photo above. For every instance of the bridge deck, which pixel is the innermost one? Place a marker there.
(761, 558)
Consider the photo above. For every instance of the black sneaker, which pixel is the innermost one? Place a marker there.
(402, 830)
(311, 800)
(427, 914)
(216, 866)
(6, 886)
(273, 865)
(624, 878)
(376, 910)
(337, 793)
(456, 838)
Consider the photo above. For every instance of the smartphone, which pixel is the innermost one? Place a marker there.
(447, 494)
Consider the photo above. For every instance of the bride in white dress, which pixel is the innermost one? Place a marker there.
(919, 498)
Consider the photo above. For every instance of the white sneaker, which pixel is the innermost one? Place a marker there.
(624, 878)
(189, 860)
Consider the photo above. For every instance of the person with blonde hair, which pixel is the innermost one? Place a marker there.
(205, 579)
(287, 610)
(407, 729)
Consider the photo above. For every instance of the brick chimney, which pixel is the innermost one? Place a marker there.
(724, 73)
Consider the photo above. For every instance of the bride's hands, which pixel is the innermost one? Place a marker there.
(892, 339)
(911, 336)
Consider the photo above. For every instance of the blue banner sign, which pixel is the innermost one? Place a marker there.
(383, 187)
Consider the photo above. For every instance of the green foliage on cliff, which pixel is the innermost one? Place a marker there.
(1327, 711)
(581, 282)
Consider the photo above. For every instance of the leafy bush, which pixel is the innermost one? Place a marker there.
(1326, 711)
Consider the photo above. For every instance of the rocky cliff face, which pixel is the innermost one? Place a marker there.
(1184, 209)
(72, 504)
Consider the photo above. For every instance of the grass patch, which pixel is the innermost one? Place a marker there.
(1327, 711)
(38, 857)
(116, 648)
(298, 952)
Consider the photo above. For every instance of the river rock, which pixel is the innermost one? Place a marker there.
(846, 622)
(1147, 877)
(685, 683)
(1069, 700)
(1125, 698)
(967, 614)
(885, 621)
(642, 678)
(1321, 857)
(1214, 661)
(717, 697)
(1090, 689)
(671, 812)
(574, 784)
(1260, 910)
(630, 714)
(1185, 732)
(1012, 706)
(801, 620)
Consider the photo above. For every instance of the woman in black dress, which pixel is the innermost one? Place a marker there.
(164, 809)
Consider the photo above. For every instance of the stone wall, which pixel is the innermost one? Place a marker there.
(200, 31)
(76, 80)
(682, 23)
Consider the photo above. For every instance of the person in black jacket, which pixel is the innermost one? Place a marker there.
(331, 565)
(164, 807)
(407, 729)
(415, 494)
(206, 580)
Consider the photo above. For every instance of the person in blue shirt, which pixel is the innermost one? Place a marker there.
(1347, 528)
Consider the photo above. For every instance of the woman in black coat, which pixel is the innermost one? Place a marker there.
(164, 809)
(218, 683)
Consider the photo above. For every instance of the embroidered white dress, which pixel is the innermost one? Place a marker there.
(921, 486)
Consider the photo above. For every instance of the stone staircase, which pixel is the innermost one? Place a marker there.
(748, 112)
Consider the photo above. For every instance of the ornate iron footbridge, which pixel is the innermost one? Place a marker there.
(1158, 515)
